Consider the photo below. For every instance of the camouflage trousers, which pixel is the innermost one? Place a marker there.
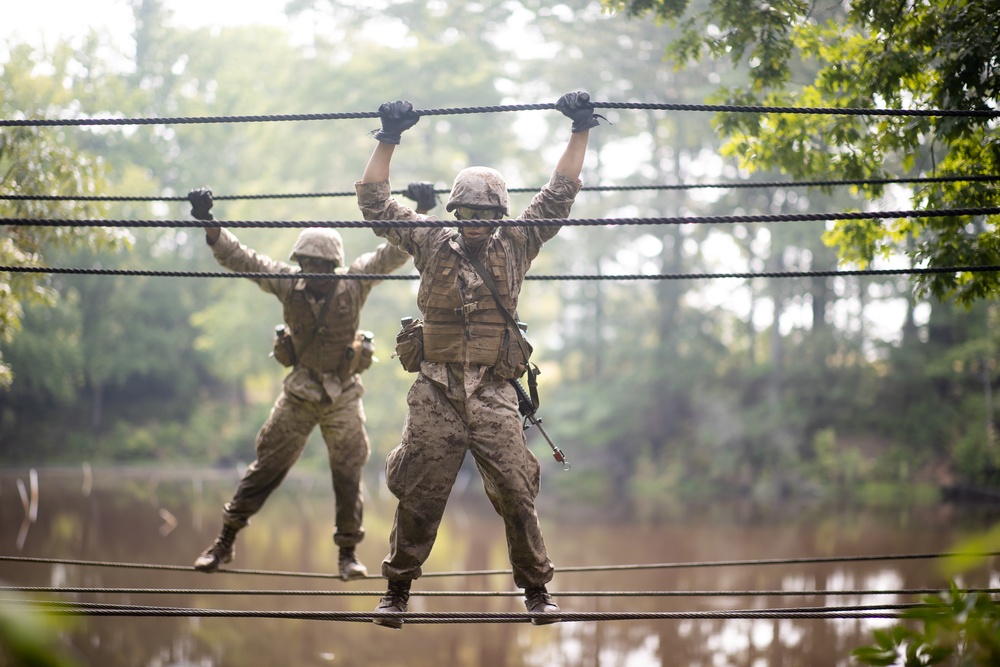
(280, 443)
(422, 469)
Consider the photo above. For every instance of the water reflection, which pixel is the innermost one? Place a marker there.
(166, 518)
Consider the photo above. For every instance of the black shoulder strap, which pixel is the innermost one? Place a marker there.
(518, 336)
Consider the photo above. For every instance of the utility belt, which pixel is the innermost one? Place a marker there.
(358, 355)
(490, 344)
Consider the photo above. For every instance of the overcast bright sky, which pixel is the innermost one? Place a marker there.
(35, 20)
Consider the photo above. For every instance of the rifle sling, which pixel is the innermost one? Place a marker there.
(518, 336)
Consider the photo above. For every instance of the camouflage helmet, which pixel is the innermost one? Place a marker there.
(321, 243)
(479, 187)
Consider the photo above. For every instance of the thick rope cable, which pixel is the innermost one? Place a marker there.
(430, 619)
(719, 108)
(84, 609)
(593, 188)
(66, 604)
(535, 222)
(584, 568)
(417, 593)
(728, 563)
(544, 277)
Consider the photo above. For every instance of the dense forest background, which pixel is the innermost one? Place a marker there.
(849, 389)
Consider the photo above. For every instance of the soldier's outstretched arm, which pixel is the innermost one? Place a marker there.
(555, 199)
(577, 107)
(377, 169)
(201, 209)
(232, 254)
(396, 117)
(570, 163)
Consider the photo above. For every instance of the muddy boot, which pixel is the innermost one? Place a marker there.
(538, 601)
(221, 551)
(350, 566)
(395, 599)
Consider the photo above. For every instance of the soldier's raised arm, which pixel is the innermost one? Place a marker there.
(396, 117)
(578, 108)
(201, 209)
(374, 195)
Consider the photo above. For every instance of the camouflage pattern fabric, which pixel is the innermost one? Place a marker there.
(442, 424)
(453, 408)
(313, 392)
(554, 201)
(280, 442)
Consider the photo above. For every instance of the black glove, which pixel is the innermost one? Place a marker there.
(201, 203)
(578, 108)
(423, 194)
(397, 117)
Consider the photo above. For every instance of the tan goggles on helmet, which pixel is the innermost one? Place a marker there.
(466, 213)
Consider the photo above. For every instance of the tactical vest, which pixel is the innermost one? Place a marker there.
(326, 352)
(471, 332)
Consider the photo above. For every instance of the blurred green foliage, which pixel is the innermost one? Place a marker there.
(856, 390)
(957, 628)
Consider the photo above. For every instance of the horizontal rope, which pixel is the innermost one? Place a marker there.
(593, 188)
(586, 568)
(729, 563)
(417, 593)
(85, 609)
(543, 277)
(713, 108)
(535, 222)
(794, 610)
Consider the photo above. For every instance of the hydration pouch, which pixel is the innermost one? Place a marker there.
(410, 344)
(283, 349)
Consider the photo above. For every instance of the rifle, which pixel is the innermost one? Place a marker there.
(527, 410)
(526, 405)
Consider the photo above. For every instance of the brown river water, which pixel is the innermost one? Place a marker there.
(166, 517)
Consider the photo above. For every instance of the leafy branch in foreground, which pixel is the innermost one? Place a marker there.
(958, 628)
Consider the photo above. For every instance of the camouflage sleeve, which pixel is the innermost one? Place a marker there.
(236, 257)
(384, 259)
(376, 203)
(554, 200)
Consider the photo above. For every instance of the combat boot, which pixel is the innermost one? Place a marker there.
(538, 601)
(350, 566)
(395, 599)
(221, 551)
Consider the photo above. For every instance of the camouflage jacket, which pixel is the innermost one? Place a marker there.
(314, 376)
(520, 245)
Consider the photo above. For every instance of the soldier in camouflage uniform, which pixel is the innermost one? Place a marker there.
(324, 386)
(462, 399)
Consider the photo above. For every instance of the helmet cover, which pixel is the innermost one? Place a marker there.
(321, 243)
(480, 188)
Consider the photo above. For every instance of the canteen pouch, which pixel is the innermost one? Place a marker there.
(410, 344)
(358, 356)
(283, 349)
(366, 357)
(511, 362)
